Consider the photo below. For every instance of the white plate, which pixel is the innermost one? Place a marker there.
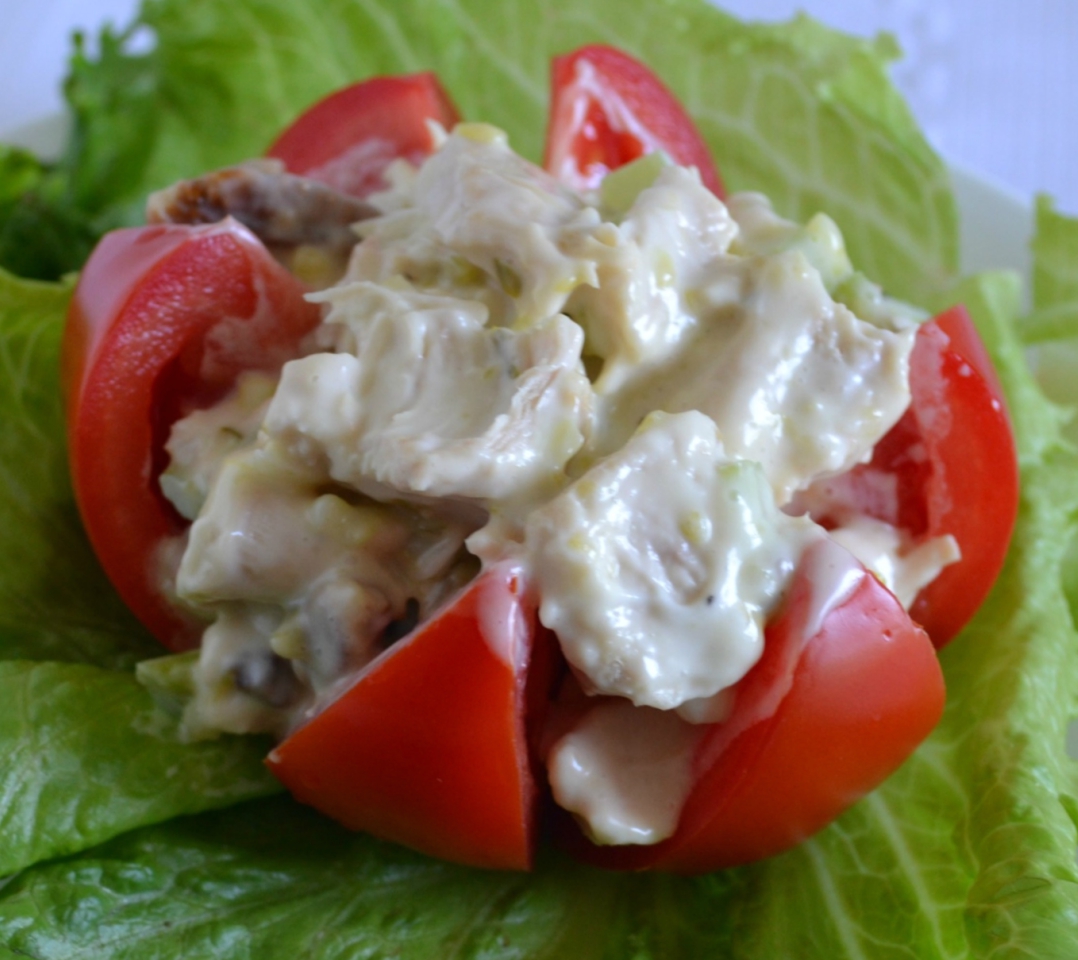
(996, 225)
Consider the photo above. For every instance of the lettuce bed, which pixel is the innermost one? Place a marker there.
(118, 841)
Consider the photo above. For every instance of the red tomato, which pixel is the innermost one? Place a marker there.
(952, 464)
(428, 747)
(607, 109)
(163, 319)
(833, 707)
(348, 139)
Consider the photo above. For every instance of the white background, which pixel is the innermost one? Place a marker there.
(993, 82)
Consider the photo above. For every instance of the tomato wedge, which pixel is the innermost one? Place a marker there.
(163, 319)
(348, 139)
(844, 692)
(607, 109)
(428, 747)
(952, 464)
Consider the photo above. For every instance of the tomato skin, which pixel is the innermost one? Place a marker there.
(854, 700)
(429, 747)
(607, 109)
(974, 487)
(348, 138)
(144, 340)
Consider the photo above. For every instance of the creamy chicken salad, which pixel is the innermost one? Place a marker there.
(635, 394)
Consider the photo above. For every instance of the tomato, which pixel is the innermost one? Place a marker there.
(428, 747)
(163, 319)
(348, 139)
(952, 463)
(833, 707)
(607, 109)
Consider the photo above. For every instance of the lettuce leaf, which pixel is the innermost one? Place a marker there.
(55, 602)
(1055, 253)
(87, 755)
(274, 880)
(1052, 331)
(41, 236)
(967, 852)
(1052, 327)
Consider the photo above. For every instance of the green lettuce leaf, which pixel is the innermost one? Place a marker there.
(41, 236)
(274, 880)
(1012, 681)
(55, 603)
(52, 214)
(87, 755)
(1052, 326)
(1055, 261)
(1052, 331)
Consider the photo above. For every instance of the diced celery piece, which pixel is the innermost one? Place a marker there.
(621, 187)
(170, 680)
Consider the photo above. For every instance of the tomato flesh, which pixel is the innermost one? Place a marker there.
(428, 747)
(817, 723)
(163, 319)
(608, 109)
(348, 139)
